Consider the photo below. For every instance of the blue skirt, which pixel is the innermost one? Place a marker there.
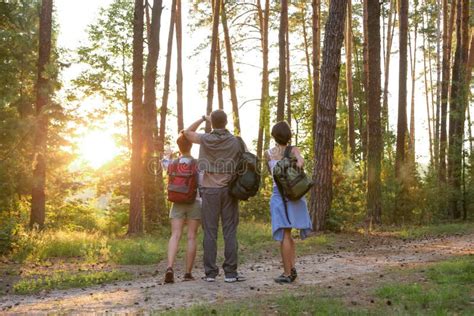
(297, 214)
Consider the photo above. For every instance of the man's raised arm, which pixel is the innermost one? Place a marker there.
(191, 133)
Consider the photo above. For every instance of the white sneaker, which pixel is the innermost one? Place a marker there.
(237, 278)
(208, 279)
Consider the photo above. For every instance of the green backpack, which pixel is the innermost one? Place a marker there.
(291, 181)
(246, 179)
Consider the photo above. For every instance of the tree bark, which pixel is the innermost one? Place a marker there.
(402, 90)
(350, 91)
(306, 52)
(459, 100)
(364, 103)
(447, 40)
(264, 122)
(179, 65)
(220, 85)
(438, 87)
(153, 182)
(43, 91)
(282, 57)
(411, 143)
(428, 115)
(388, 53)
(316, 30)
(230, 69)
(135, 221)
(212, 61)
(288, 76)
(166, 85)
(326, 115)
(374, 192)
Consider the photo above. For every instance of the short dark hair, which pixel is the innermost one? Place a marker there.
(184, 144)
(218, 119)
(281, 132)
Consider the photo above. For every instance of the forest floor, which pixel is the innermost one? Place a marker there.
(348, 268)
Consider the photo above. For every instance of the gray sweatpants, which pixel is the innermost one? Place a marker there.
(216, 202)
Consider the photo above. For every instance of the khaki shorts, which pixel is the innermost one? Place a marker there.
(186, 211)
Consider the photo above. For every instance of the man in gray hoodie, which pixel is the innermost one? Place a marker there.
(218, 157)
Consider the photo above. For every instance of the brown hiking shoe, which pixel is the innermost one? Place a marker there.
(169, 275)
(188, 277)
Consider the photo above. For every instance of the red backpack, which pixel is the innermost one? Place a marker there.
(182, 182)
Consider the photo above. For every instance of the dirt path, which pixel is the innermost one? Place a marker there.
(144, 295)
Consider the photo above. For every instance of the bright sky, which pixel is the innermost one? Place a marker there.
(74, 16)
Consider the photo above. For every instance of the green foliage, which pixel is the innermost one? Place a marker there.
(447, 229)
(138, 250)
(61, 281)
(107, 57)
(348, 207)
(73, 215)
(36, 246)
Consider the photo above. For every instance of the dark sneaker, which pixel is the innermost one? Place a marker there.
(169, 275)
(283, 279)
(293, 274)
(237, 278)
(188, 277)
(209, 279)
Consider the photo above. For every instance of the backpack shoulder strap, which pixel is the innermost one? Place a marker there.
(288, 150)
(242, 143)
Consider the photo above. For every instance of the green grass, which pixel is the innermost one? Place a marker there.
(416, 232)
(254, 239)
(138, 250)
(286, 304)
(60, 281)
(448, 291)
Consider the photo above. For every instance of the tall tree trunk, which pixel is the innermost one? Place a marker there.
(428, 115)
(126, 102)
(288, 77)
(43, 90)
(166, 85)
(411, 143)
(135, 220)
(306, 52)
(350, 91)
(147, 21)
(153, 181)
(263, 16)
(220, 85)
(468, 80)
(363, 104)
(212, 61)
(447, 39)
(282, 56)
(438, 87)
(326, 115)
(179, 65)
(388, 53)
(374, 192)
(459, 100)
(402, 90)
(316, 30)
(230, 69)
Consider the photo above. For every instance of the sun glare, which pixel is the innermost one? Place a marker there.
(97, 148)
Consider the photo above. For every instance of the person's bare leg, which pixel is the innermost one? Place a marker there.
(286, 251)
(293, 252)
(193, 226)
(173, 244)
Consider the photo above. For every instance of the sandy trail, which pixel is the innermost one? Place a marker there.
(148, 294)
